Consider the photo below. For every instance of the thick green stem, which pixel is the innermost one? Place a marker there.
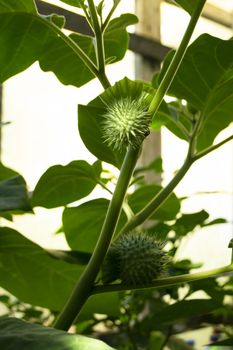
(100, 52)
(212, 148)
(176, 61)
(159, 199)
(168, 281)
(107, 20)
(84, 286)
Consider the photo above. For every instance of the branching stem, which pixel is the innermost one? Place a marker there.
(176, 61)
(165, 282)
(84, 286)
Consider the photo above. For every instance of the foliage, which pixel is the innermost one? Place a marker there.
(137, 315)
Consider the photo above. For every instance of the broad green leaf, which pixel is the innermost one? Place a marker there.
(58, 20)
(18, 52)
(173, 117)
(205, 80)
(186, 309)
(5, 172)
(143, 196)
(70, 69)
(36, 40)
(61, 185)
(82, 224)
(18, 334)
(64, 62)
(27, 6)
(13, 195)
(28, 272)
(187, 222)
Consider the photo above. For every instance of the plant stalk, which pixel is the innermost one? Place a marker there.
(159, 199)
(168, 281)
(84, 286)
(100, 52)
(176, 61)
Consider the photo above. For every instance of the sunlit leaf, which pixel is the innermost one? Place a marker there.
(82, 224)
(18, 334)
(61, 185)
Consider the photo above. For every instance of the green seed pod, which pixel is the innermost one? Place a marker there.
(135, 259)
(126, 122)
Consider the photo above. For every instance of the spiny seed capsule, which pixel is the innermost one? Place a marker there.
(126, 122)
(135, 259)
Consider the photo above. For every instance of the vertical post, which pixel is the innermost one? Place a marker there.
(149, 26)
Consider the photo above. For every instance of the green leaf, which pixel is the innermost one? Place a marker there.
(205, 80)
(75, 3)
(116, 38)
(13, 195)
(65, 63)
(82, 224)
(187, 222)
(18, 52)
(70, 69)
(89, 122)
(186, 309)
(18, 334)
(8, 6)
(173, 117)
(61, 185)
(143, 196)
(188, 5)
(28, 272)
(5, 172)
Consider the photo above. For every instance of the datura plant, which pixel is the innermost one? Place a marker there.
(112, 251)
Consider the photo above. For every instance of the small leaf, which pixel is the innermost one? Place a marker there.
(82, 224)
(187, 222)
(18, 334)
(144, 195)
(13, 195)
(28, 272)
(61, 185)
(58, 20)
